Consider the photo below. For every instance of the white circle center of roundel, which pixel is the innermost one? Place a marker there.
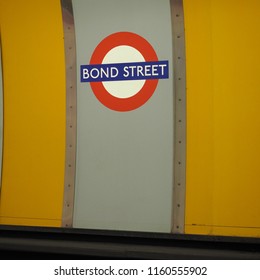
(121, 54)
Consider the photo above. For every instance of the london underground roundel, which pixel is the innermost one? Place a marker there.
(124, 71)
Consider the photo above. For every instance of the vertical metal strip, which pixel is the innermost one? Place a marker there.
(1, 112)
(179, 65)
(71, 112)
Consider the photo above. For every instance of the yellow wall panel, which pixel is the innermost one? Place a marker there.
(200, 117)
(223, 135)
(34, 112)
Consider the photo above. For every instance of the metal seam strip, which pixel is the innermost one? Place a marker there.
(1, 113)
(71, 112)
(179, 60)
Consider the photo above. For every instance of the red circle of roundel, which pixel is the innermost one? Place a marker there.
(141, 97)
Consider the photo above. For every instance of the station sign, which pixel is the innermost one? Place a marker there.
(124, 71)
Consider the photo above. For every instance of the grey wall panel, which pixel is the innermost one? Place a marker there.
(124, 175)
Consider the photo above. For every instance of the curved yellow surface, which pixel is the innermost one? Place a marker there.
(223, 124)
(34, 112)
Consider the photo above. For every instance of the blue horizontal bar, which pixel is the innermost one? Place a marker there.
(124, 71)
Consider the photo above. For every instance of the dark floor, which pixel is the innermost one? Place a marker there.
(53, 243)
